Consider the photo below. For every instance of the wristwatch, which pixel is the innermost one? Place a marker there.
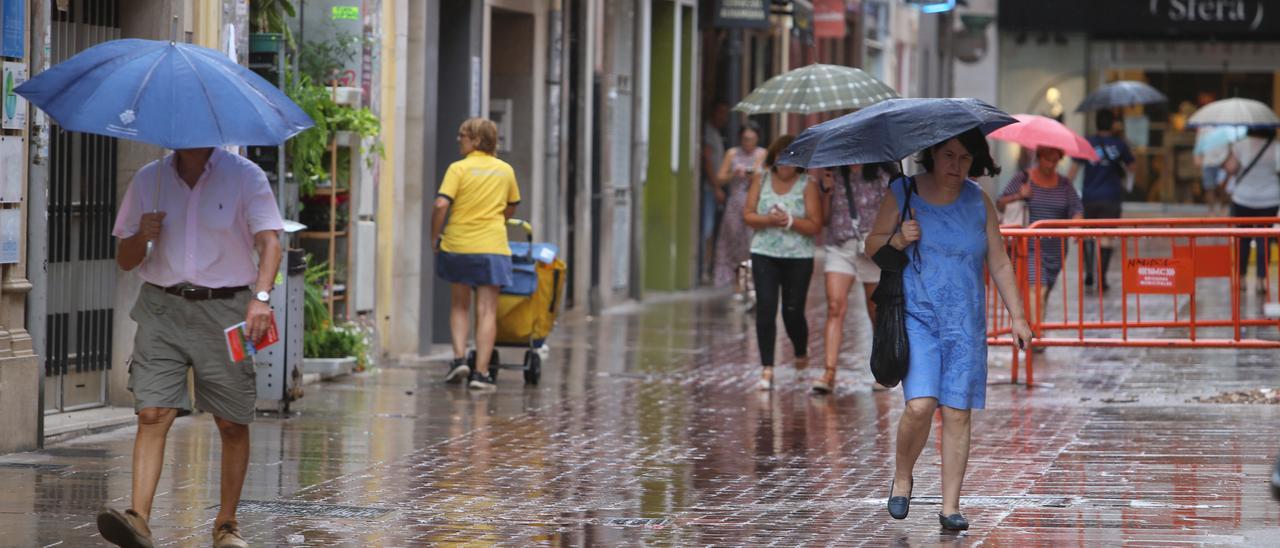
(263, 296)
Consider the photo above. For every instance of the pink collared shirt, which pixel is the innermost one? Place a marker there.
(207, 235)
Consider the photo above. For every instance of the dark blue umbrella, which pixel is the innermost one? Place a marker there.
(1121, 94)
(164, 93)
(890, 131)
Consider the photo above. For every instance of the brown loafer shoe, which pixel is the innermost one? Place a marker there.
(227, 535)
(125, 529)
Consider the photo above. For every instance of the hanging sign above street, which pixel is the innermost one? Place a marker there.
(742, 14)
(346, 13)
(1191, 19)
(828, 19)
(802, 20)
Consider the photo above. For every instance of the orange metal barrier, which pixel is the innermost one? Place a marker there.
(1177, 260)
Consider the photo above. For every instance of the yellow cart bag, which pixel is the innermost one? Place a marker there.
(528, 319)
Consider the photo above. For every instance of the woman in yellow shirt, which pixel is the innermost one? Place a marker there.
(478, 195)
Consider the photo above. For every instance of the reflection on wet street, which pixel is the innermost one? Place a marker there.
(647, 428)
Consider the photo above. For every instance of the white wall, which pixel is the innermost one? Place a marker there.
(1027, 71)
(980, 80)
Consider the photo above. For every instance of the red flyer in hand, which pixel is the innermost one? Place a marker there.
(238, 345)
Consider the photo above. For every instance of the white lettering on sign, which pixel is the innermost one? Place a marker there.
(1150, 271)
(1209, 11)
(743, 9)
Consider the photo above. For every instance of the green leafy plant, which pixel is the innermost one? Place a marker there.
(315, 311)
(307, 150)
(336, 342)
(271, 16)
(323, 60)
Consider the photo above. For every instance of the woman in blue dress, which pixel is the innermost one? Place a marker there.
(953, 226)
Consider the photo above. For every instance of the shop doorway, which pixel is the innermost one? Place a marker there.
(1167, 170)
(511, 89)
(81, 250)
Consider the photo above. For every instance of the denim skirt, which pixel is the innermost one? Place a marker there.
(474, 269)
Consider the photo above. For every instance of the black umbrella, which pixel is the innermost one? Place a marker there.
(1121, 94)
(890, 131)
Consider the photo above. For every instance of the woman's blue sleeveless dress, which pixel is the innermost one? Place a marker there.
(945, 295)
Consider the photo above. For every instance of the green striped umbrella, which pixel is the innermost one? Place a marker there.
(816, 88)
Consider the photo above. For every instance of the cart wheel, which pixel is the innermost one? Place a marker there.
(534, 373)
(533, 368)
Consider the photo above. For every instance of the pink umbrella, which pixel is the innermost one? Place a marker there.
(1034, 131)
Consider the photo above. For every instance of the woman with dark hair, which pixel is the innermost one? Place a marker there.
(786, 213)
(739, 165)
(852, 195)
(1255, 191)
(1049, 195)
(952, 231)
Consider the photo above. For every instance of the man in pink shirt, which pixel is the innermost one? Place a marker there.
(207, 212)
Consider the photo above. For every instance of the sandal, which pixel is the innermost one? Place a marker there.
(827, 384)
(766, 381)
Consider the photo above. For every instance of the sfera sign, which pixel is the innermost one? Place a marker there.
(1211, 11)
(1252, 20)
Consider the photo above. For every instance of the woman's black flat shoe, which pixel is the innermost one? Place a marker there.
(900, 506)
(954, 522)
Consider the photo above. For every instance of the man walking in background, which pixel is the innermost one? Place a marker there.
(1104, 189)
(713, 196)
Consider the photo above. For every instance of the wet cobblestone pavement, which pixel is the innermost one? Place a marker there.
(647, 429)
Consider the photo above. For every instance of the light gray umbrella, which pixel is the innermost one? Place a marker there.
(1235, 112)
(1121, 94)
(816, 88)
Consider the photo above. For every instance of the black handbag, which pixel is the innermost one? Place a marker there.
(890, 349)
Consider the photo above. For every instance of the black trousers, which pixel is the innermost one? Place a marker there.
(1238, 210)
(1099, 210)
(790, 277)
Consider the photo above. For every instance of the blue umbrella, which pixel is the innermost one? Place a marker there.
(890, 131)
(168, 94)
(1121, 94)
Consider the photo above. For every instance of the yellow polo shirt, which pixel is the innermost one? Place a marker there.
(480, 187)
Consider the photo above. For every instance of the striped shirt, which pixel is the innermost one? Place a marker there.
(1059, 202)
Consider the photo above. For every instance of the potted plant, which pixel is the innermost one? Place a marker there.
(328, 350)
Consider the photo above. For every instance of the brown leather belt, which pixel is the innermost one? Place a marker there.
(197, 293)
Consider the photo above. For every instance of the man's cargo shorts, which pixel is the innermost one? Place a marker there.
(175, 333)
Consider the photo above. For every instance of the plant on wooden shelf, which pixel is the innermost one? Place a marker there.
(321, 338)
(323, 60)
(271, 16)
(307, 150)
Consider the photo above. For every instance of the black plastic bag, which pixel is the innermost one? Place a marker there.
(890, 349)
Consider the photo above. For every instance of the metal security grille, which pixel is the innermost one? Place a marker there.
(81, 211)
(310, 509)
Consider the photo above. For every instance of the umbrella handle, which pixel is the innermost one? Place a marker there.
(155, 208)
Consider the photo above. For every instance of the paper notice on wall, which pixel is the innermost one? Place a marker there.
(10, 235)
(11, 164)
(15, 107)
(475, 87)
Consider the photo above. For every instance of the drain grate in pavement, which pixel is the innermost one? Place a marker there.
(310, 509)
(76, 452)
(648, 523)
(34, 466)
(1020, 501)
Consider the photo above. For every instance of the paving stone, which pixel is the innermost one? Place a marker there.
(647, 430)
